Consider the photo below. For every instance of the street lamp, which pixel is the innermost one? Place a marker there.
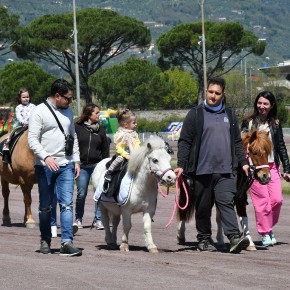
(76, 59)
(201, 3)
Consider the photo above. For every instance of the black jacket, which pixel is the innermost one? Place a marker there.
(279, 147)
(190, 140)
(93, 146)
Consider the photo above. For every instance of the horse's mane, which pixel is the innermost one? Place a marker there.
(137, 156)
(259, 141)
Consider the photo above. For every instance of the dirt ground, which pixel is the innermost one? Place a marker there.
(175, 266)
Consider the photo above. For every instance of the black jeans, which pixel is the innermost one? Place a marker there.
(219, 189)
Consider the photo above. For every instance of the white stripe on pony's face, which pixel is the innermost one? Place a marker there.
(159, 164)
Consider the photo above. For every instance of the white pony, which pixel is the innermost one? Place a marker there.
(148, 165)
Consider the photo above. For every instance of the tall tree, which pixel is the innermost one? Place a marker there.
(8, 23)
(102, 35)
(183, 89)
(136, 83)
(24, 74)
(182, 46)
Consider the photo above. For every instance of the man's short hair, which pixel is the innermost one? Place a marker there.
(60, 86)
(217, 81)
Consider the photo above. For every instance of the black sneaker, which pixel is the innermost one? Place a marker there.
(44, 247)
(206, 245)
(238, 244)
(68, 249)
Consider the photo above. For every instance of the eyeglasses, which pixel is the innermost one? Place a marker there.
(68, 99)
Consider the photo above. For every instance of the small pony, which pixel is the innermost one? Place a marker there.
(148, 165)
(257, 146)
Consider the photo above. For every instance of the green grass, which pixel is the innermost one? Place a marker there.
(285, 187)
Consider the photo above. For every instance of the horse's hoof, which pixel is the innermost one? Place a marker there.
(112, 246)
(153, 250)
(7, 222)
(180, 241)
(251, 248)
(124, 248)
(30, 225)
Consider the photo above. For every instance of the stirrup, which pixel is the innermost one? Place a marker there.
(106, 186)
(108, 178)
(6, 158)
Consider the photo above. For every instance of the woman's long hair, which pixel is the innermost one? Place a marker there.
(272, 115)
(86, 113)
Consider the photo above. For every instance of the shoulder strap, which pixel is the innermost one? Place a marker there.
(53, 113)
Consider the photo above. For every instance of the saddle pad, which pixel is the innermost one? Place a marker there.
(123, 195)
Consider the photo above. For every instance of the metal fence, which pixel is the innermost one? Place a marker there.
(173, 137)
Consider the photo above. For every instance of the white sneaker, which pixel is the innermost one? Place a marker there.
(274, 241)
(98, 225)
(267, 241)
(54, 231)
(79, 223)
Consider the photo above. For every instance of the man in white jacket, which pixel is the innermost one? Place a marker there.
(55, 167)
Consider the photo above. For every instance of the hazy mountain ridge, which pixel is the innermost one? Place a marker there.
(266, 19)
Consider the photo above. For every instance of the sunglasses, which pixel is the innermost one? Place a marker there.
(216, 93)
(68, 99)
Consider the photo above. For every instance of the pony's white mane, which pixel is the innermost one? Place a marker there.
(137, 156)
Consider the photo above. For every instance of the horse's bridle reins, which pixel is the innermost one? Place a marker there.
(177, 183)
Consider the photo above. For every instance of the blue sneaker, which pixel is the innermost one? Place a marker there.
(274, 241)
(267, 241)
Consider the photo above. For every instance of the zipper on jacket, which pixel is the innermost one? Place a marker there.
(89, 148)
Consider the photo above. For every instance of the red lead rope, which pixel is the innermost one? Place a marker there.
(176, 204)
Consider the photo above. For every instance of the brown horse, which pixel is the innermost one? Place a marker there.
(257, 146)
(20, 171)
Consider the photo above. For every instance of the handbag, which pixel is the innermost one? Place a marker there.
(69, 139)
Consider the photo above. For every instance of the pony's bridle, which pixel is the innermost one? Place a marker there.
(158, 176)
(250, 178)
(253, 167)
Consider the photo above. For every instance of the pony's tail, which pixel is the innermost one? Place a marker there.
(187, 213)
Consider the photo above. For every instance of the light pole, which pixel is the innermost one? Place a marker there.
(76, 59)
(201, 3)
(245, 75)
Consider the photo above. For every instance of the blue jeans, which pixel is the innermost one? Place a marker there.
(47, 180)
(82, 190)
(53, 221)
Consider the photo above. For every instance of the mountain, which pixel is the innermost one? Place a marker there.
(267, 19)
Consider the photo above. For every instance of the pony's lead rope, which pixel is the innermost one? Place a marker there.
(176, 204)
(165, 195)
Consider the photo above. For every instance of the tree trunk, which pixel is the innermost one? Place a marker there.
(86, 92)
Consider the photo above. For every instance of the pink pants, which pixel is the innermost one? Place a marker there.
(267, 201)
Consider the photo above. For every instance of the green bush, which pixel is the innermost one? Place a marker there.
(283, 114)
(156, 125)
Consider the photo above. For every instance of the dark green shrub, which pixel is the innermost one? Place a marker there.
(156, 125)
